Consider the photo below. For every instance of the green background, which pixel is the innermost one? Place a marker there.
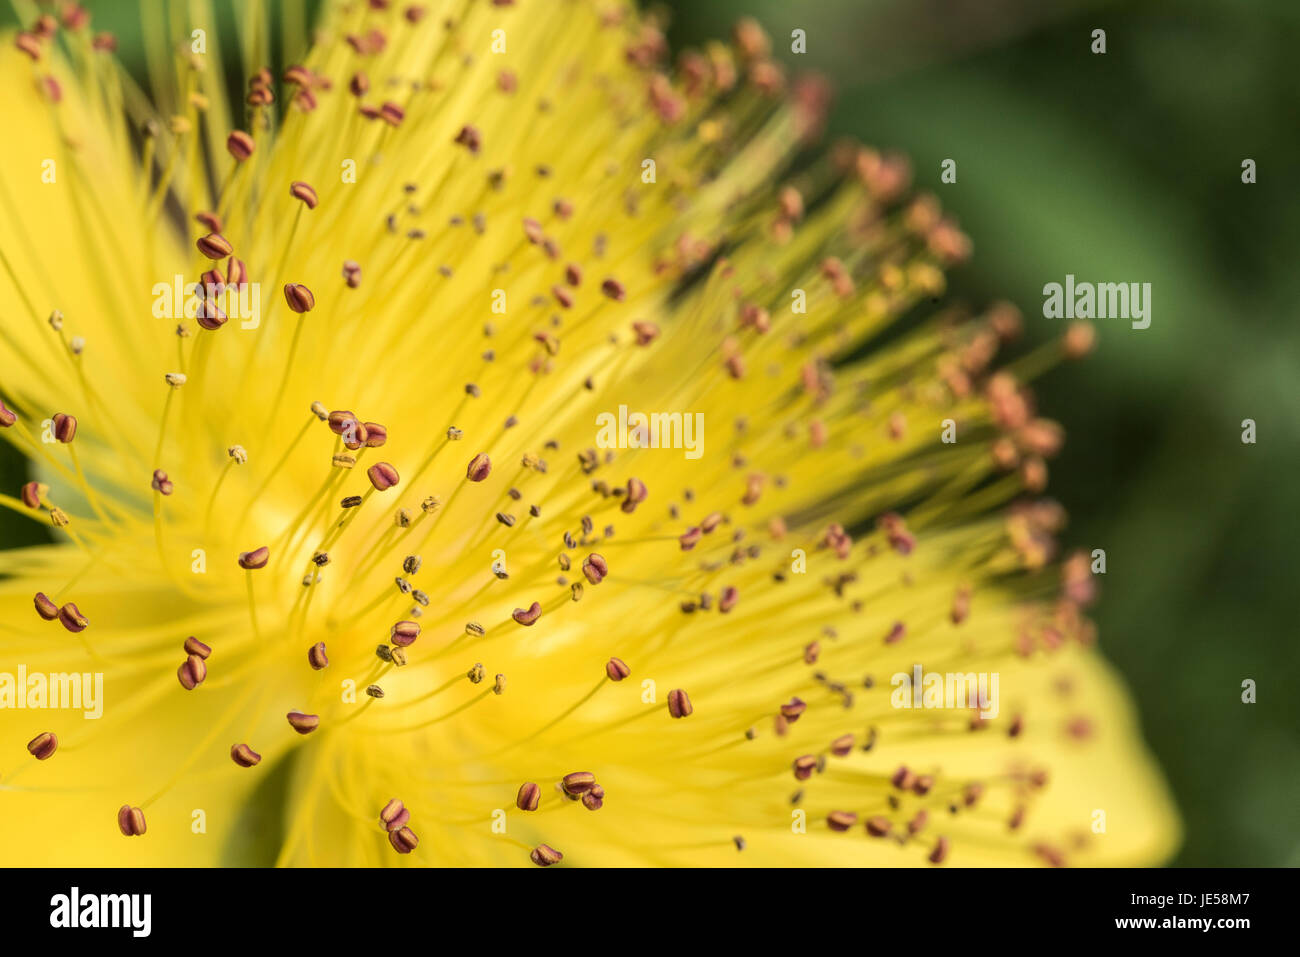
(1117, 167)
(1127, 167)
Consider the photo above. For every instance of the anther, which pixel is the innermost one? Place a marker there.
(244, 756)
(214, 246)
(303, 723)
(679, 704)
(529, 616)
(528, 797)
(298, 75)
(45, 608)
(1079, 340)
(316, 656)
(727, 599)
(210, 316)
(192, 672)
(940, 852)
(533, 231)
(578, 782)
(469, 138)
(645, 332)
(195, 647)
(304, 193)
(595, 568)
(480, 466)
(29, 43)
(476, 674)
(65, 427)
(394, 815)
(43, 746)
(382, 476)
(257, 558)
(841, 820)
(33, 493)
(879, 826)
(793, 709)
(299, 297)
(903, 778)
(404, 633)
(355, 435)
(403, 840)
(636, 494)
(543, 855)
(72, 619)
(240, 145)
(616, 669)
(130, 821)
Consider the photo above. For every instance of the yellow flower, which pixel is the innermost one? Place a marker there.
(386, 523)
